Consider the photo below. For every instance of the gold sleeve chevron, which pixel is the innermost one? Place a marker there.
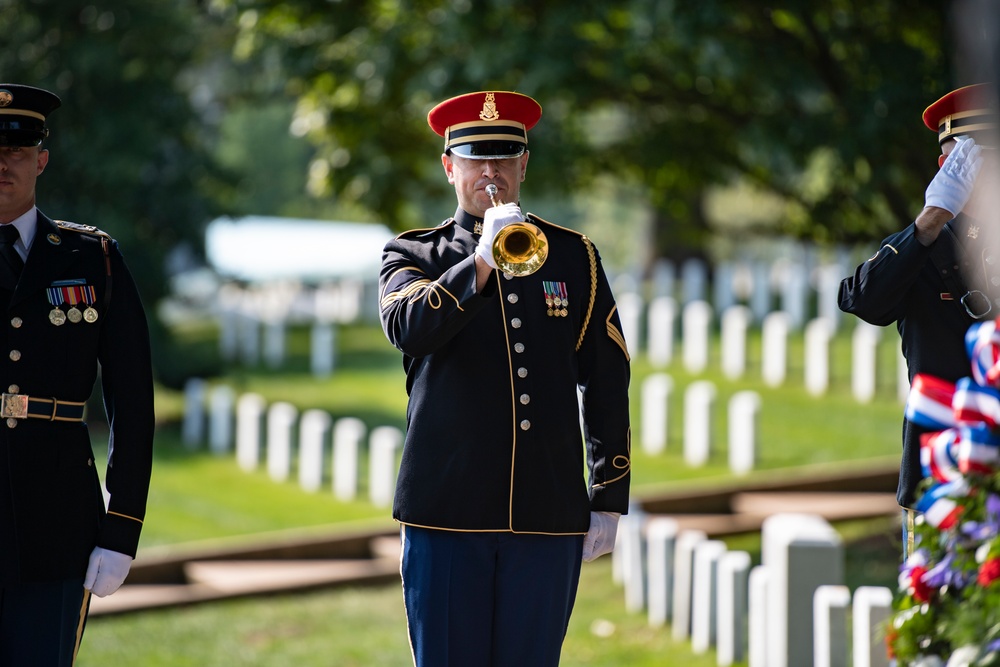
(616, 335)
(421, 289)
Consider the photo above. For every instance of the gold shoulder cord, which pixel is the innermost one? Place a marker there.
(593, 290)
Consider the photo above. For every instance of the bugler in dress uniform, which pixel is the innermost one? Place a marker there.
(939, 275)
(69, 305)
(491, 489)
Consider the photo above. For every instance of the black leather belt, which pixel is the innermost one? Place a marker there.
(22, 406)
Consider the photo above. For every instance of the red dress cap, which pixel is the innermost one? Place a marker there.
(967, 111)
(485, 125)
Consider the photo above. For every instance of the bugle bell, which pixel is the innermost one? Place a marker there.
(519, 248)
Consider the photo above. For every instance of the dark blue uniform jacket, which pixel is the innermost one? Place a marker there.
(52, 512)
(901, 283)
(493, 438)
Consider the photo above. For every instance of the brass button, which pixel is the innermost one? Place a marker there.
(525, 399)
(522, 372)
(525, 425)
(16, 322)
(512, 298)
(90, 463)
(519, 347)
(13, 389)
(15, 355)
(11, 422)
(508, 276)
(516, 323)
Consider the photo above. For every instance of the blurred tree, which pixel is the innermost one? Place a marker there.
(128, 145)
(815, 101)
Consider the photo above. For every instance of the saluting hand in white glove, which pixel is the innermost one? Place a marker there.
(106, 571)
(952, 186)
(600, 539)
(494, 220)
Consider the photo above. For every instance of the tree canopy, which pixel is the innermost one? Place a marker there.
(817, 102)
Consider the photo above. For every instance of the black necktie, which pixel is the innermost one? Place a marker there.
(12, 264)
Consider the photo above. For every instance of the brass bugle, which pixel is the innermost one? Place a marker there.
(519, 248)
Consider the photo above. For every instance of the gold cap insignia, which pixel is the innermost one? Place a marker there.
(489, 111)
(5, 97)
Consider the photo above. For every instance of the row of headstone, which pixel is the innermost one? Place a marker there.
(790, 610)
(313, 442)
(756, 285)
(696, 335)
(244, 337)
(698, 419)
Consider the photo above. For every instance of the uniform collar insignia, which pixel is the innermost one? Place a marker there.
(973, 232)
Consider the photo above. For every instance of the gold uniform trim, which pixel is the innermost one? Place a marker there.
(484, 530)
(620, 462)
(422, 288)
(84, 607)
(513, 403)
(22, 112)
(617, 335)
(124, 516)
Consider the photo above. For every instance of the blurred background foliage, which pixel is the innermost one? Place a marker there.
(707, 118)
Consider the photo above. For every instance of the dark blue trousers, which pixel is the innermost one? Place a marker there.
(42, 624)
(488, 599)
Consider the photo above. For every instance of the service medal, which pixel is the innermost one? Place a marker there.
(57, 317)
(74, 315)
(90, 315)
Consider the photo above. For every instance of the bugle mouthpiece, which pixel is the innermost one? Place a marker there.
(491, 192)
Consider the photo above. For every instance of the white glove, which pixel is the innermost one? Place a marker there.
(953, 184)
(494, 220)
(600, 539)
(106, 571)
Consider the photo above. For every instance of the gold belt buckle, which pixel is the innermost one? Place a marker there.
(14, 406)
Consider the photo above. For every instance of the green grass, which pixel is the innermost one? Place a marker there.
(198, 496)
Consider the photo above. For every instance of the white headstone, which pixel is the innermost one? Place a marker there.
(864, 345)
(694, 276)
(830, 605)
(661, 537)
(802, 552)
(817, 356)
(220, 425)
(322, 349)
(744, 408)
(735, 321)
(383, 444)
(872, 608)
(249, 418)
(314, 433)
(757, 598)
(828, 278)
(229, 333)
(630, 312)
(655, 407)
(193, 429)
(760, 295)
(687, 541)
(696, 319)
(723, 290)
(902, 377)
(348, 432)
(249, 339)
(633, 559)
(733, 582)
(274, 343)
(281, 417)
(663, 278)
(660, 335)
(774, 356)
(794, 292)
(704, 594)
(699, 401)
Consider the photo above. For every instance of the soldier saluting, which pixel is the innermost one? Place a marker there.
(68, 306)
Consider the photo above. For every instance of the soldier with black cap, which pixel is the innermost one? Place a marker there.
(942, 273)
(69, 305)
(495, 508)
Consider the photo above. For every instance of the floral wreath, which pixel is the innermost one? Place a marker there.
(947, 607)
